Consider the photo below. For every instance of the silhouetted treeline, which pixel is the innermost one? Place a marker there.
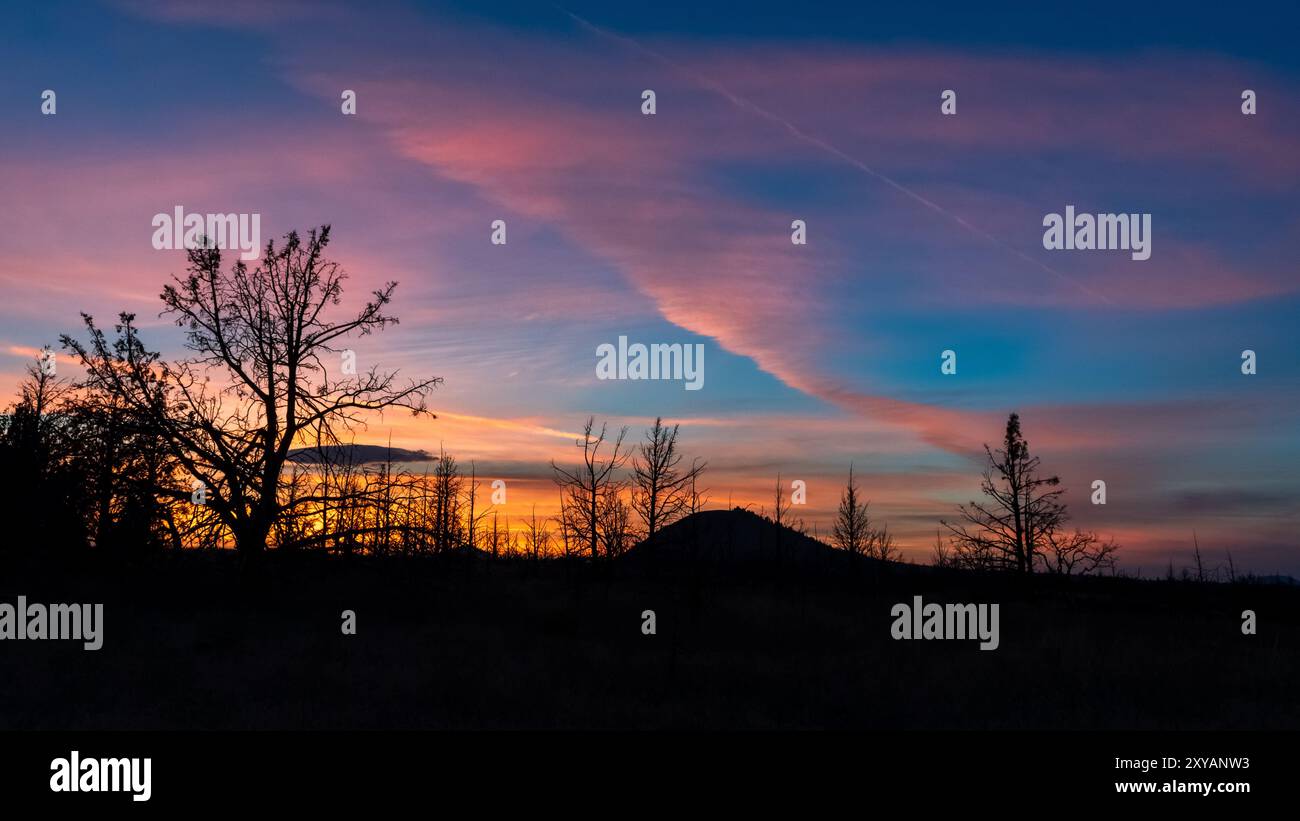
(75, 472)
(240, 442)
(78, 474)
(206, 450)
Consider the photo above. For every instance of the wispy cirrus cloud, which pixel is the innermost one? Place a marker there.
(924, 234)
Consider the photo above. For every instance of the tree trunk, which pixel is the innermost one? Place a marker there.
(250, 539)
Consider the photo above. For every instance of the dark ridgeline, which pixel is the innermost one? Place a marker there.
(466, 621)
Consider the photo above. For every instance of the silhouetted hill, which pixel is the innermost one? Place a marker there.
(355, 454)
(741, 538)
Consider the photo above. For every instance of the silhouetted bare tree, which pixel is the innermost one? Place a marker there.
(447, 489)
(781, 506)
(881, 545)
(1006, 532)
(256, 383)
(696, 498)
(585, 486)
(661, 487)
(942, 554)
(1020, 528)
(475, 516)
(537, 536)
(852, 529)
(617, 533)
(1079, 552)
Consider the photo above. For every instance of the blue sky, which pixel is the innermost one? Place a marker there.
(924, 229)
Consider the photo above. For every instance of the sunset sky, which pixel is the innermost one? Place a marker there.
(924, 232)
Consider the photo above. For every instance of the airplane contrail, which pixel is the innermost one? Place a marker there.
(799, 134)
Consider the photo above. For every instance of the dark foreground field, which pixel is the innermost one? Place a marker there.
(469, 643)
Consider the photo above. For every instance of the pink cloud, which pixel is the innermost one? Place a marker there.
(631, 192)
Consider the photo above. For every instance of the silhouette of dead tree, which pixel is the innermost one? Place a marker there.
(1021, 526)
(662, 490)
(585, 486)
(256, 382)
